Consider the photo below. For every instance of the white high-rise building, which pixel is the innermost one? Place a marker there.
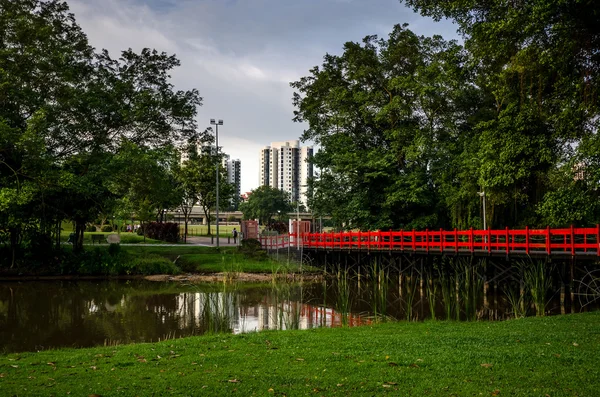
(285, 166)
(234, 176)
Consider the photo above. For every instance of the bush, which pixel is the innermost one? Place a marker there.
(90, 228)
(279, 227)
(166, 231)
(152, 264)
(107, 229)
(252, 249)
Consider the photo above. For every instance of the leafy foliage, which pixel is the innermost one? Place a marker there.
(264, 203)
(82, 135)
(162, 231)
(411, 128)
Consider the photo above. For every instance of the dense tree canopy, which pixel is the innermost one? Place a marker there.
(411, 128)
(81, 133)
(264, 203)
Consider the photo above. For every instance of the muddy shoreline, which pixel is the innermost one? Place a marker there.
(189, 278)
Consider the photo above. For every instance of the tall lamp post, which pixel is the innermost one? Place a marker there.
(482, 194)
(217, 124)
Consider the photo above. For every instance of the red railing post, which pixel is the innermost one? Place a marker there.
(414, 240)
(507, 241)
(391, 240)
(598, 239)
(455, 240)
(572, 240)
(427, 240)
(441, 240)
(527, 240)
(359, 240)
(471, 240)
(489, 240)
(369, 240)
(401, 239)
(548, 241)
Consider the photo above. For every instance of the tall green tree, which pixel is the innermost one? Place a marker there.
(204, 163)
(540, 60)
(264, 202)
(65, 110)
(387, 114)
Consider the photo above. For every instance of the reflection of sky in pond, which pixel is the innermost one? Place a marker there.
(42, 315)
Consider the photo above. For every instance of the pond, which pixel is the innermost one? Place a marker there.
(43, 315)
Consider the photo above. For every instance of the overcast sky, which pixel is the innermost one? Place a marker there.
(242, 54)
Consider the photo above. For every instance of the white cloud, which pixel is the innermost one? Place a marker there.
(242, 54)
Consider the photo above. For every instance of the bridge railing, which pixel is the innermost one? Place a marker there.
(573, 241)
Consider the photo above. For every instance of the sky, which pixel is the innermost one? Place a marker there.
(242, 54)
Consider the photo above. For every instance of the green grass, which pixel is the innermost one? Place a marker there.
(555, 356)
(197, 259)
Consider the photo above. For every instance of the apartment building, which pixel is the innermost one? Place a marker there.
(234, 176)
(285, 166)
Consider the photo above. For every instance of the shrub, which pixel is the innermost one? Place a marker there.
(279, 227)
(107, 229)
(90, 228)
(166, 231)
(252, 249)
(152, 264)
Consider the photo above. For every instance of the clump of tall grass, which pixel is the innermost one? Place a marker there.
(517, 302)
(446, 283)
(343, 294)
(379, 279)
(536, 276)
(216, 310)
(432, 288)
(469, 286)
(408, 297)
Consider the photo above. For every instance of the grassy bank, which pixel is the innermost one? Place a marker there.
(196, 259)
(113, 260)
(554, 356)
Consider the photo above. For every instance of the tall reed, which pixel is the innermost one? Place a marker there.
(410, 293)
(432, 287)
(344, 294)
(536, 275)
(517, 301)
(379, 290)
(469, 285)
(446, 282)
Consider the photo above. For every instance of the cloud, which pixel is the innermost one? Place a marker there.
(242, 54)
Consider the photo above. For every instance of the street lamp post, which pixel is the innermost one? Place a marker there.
(482, 194)
(217, 124)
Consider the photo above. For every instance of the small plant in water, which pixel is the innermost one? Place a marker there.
(516, 301)
(536, 275)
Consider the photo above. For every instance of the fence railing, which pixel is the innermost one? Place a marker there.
(573, 241)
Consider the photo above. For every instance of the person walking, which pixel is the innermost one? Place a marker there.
(235, 234)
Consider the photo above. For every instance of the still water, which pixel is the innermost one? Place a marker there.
(42, 315)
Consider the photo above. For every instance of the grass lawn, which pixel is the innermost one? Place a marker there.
(196, 259)
(552, 356)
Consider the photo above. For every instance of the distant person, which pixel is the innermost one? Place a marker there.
(235, 233)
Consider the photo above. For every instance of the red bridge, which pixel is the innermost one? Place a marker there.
(547, 242)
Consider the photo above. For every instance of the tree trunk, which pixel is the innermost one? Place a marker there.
(79, 229)
(14, 242)
(208, 221)
(185, 231)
